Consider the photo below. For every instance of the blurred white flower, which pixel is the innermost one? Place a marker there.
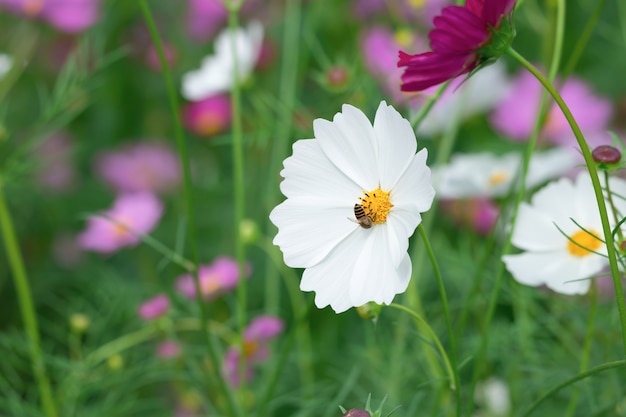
(488, 175)
(465, 98)
(493, 395)
(217, 72)
(562, 235)
(6, 62)
(352, 162)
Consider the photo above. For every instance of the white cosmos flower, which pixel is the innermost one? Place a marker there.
(352, 162)
(552, 258)
(217, 72)
(488, 175)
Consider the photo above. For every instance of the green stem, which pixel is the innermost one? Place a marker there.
(584, 359)
(423, 325)
(552, 391)
(446, 311)
(27, 308)
(584, 39)
(593, 173)
(188, 199)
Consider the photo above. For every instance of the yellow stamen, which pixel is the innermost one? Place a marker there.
(376, 205)
(583, 242)
(498, 178)
(417, 4)
(403, 37)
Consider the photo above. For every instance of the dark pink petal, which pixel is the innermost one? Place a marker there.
(457, 30)
(493, 10)
(427, 70)
(476, 6)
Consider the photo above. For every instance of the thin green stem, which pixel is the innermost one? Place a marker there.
(555, 389)
(188, 200)
(424, 326)
(584, 358)
(446, 312)
(584, 38)
(425, 109)
(593, 173)
(27, 308)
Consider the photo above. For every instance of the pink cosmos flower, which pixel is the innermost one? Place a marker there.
(215, 279)
(480, 214)
(142, 166)
(256, 347)
(154, 308)
(209, 116)
(168, 349)
(131, 215)
(515, 116)
(71, 16)
(457, 43)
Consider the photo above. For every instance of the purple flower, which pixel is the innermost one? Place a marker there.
(143, 166)
(209, 116)
(131, 215)
(215, 279)
(154, 307)
(515, 116)
(460, 43)
(71, 16)
(256, 337)
(480, 214)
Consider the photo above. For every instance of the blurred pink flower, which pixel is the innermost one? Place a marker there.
(142, 166)
(515, 116)
(131, 215)
(71, 16)
(380, 46)
(56, 171)
(256, 347)
(168, 349)
(154, 308)
(216, 279)
(206, 17)
(480, 214)
(209, 116)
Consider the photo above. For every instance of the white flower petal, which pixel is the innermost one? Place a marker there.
(414, 190)
(310, 175)
(349, 143)
(535, 231)
(396, 144)
(307, 234)
(330, 279)
(375, 278)
(557, 201)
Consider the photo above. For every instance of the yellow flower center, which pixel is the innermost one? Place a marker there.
(403, 37)
(376, 205)
(417, 4)
(583, 242)
(120, 227)
(498, 178)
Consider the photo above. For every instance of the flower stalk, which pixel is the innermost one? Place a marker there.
(597, 187)
(27, 307)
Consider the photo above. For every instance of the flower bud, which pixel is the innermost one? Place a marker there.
(79, 323)
(337, 76)
(115, 362)
(606, 154)
(248, 231)
(369, 311)
(355, 412)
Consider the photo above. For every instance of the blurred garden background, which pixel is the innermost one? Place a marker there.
(90, 147)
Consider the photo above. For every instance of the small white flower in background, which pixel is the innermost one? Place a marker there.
(6, 62)
(352, 162)
(465, 98)
(493, 396)
(562, 259)
(489, 175)
(217, 72)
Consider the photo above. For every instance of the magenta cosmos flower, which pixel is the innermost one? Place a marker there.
(132, 215)
(462, 40)
(154, 308)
